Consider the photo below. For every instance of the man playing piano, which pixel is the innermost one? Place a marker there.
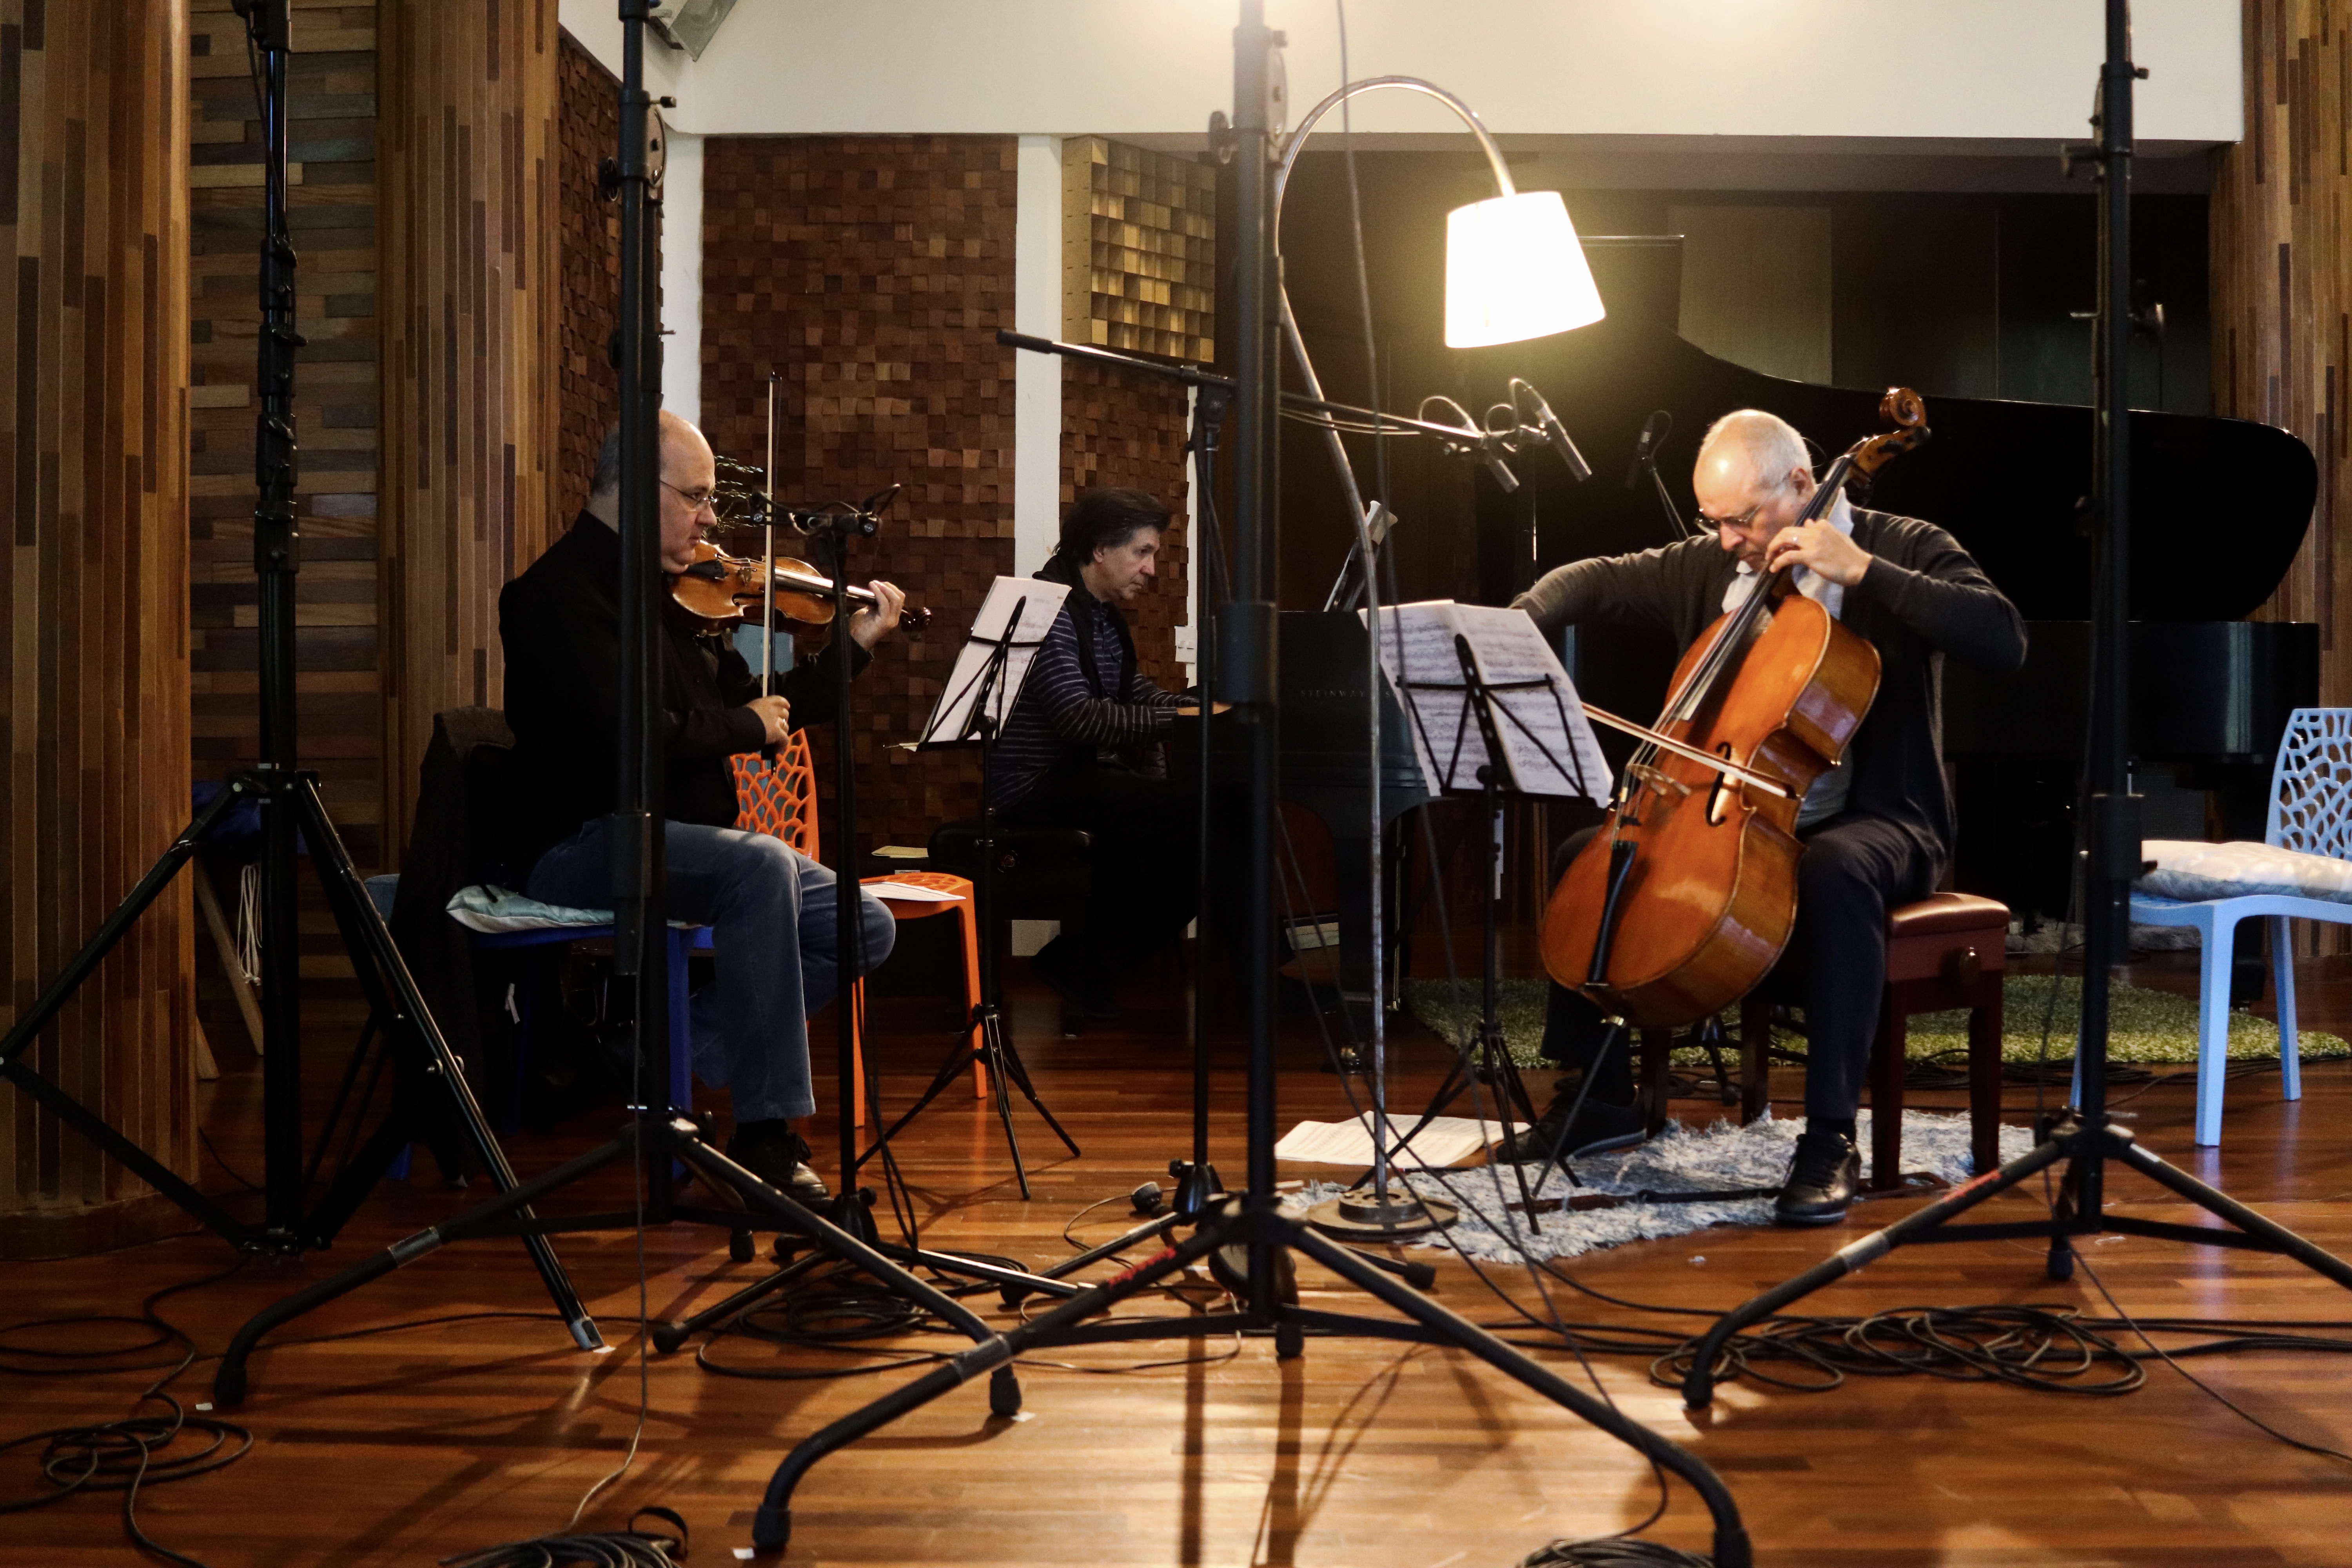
(1081, 749)
(1877, 830)
(771, 910)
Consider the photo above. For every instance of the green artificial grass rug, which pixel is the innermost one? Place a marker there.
(2154, 1027)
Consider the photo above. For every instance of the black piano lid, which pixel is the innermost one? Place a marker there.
(2219, 506)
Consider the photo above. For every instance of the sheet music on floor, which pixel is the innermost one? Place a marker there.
(1548, 743)
(952, 719)
(1446, 1140)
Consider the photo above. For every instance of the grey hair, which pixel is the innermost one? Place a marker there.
(1770, 444)
(607, 479)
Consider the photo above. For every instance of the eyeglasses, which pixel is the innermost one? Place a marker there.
(694, 500)
(1742, 521)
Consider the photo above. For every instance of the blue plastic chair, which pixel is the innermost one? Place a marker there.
(682, 945)
(2311, 811)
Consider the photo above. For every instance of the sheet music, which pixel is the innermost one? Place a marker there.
(1549, 748)
(952, 719)
(1546, 737)
(1446, 1140)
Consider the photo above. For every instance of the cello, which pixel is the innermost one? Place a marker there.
(1686, 897)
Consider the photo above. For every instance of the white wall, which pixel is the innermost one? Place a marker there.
(2006, 69)
(682, 308)
(1036, 378)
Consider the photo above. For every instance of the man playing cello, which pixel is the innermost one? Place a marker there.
(1876, 830)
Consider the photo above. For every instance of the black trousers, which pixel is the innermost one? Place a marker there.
(1853, 869)
(1146, 861)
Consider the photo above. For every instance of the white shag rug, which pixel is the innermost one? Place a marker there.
(1680, 1159)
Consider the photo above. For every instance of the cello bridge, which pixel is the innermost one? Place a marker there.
(1657, 779)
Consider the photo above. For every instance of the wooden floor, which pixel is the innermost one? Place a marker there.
(406, 1447)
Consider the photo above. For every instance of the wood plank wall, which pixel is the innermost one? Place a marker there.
(2282, 282)
(331, 82)
(469, 386)
(93, 427)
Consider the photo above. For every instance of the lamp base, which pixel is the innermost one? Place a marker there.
(1366, 1215)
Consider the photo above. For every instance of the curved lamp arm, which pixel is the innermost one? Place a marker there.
(1293, 145)
(1297, 140)
(1367, 553)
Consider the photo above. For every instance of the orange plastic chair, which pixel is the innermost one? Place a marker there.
(779, 799)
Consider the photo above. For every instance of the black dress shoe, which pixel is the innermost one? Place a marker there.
(1082, 996)
(1600, 1126)
(1821, 1180)
(772, 1152)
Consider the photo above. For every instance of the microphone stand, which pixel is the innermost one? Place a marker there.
(1196, 1179)
(656, 1132)
(1254, 1225)
(1646, 461)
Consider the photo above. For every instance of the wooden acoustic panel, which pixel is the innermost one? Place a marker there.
(1122, 428)
(1139, 249)
(332, 123)
(872, 273)
(588, 130)
(94, 659)
(470, 389)
(2282, 285)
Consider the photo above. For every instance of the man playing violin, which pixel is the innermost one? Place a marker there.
(777, 949)
(1876, 830)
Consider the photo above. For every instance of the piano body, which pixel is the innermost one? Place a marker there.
(2219, 508)
(1323, 759)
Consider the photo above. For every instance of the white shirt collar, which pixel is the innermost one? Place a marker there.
(1830, 596)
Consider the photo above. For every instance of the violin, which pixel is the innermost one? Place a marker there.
(1688, 897)
(719, 591)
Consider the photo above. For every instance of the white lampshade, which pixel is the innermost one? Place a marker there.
(1514, 270)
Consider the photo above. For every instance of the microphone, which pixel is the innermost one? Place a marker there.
(1533, 410)
(1495, 466)
(1644, 450)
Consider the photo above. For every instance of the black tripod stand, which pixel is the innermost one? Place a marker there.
(1254, 1228)
(293, 820)
(2082, 1137)
(655, 1134)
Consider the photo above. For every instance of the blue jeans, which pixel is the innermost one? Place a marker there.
(774, 940)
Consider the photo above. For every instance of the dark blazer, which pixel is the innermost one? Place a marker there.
(1923, 597)
(560, 624)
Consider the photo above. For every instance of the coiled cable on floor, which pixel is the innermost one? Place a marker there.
(630, 1548)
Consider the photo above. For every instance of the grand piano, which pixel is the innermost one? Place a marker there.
(2219, 508)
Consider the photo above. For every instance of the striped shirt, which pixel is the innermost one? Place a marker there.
(1062, 716)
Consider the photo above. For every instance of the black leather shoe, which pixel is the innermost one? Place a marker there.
(1821, 1180)
(1600, 1126)
(772, 1152)
(1082, 996)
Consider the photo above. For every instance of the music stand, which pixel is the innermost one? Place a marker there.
(1508, 721)
(980, 695)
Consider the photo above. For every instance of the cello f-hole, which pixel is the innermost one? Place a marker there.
(1720, 799)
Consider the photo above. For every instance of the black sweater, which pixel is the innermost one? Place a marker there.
(560, 622)
(1922, 598)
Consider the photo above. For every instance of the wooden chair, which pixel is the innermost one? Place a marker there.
(1947, 950)
(779, 799)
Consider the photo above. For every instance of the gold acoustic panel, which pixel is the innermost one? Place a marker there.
(1139, 249)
